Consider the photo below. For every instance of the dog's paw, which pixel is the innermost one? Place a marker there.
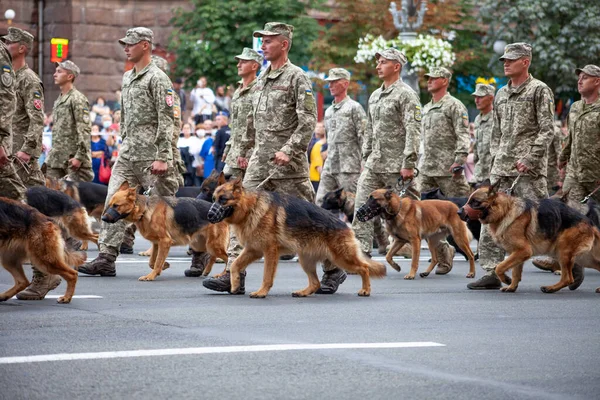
(409, 277)
(471, 275)
(547, 289)
(598, 290)
(146, 278)
(3, 298)
(422, 275)
(258, 295)
(64, 300)
(364, 293)
(557, 272)
(300, 293)
(508, 289)
(395, 266)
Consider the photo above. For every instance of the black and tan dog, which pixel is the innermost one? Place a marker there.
(410, 221)
(269, 224)
(27, 234)
(210, 184)
(68, 213)
(169, 221)
(526, 228)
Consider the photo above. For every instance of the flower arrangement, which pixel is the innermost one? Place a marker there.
(423, 53)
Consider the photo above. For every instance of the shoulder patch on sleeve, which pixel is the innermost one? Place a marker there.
(465, 118)
(308, 92)
(418, 115)
(37, 95)
(169, 97)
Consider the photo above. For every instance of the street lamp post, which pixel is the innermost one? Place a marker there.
(407, 20)
(10, 15)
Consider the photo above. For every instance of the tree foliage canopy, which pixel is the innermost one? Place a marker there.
(564, 34)
(209, 36)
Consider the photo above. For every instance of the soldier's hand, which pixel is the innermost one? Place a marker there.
(281, 158)
(159, 168)
(457, 172)
(242, 162)
(223, 158)
(23, 156)
(75, 163)
(562, 164)
(407, 173)
(3, 157)
(521, 167)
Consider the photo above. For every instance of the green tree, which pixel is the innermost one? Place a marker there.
(564, 34)
(208, 37)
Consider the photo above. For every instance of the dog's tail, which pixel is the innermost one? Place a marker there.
(74, 258)
(376, 269)
(47, 247)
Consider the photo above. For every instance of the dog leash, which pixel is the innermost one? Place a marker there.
(512, 187)
(23, 165)
(260, 185)
(586, 198)
(405, 184)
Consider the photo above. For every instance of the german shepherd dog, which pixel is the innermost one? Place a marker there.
(68, 213)
(269, 224)
(27, 234)
(473, 226)
(525, 228)
(169, 222)
(210, 184)
(410, 221)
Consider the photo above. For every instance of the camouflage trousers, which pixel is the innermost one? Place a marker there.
(30, 173)
(490, 254)
(135, 173)
(298, 187)
(10, 183)
(578, 190)
(367, 183)
(330, 182)
(83, 174)
(552, 179)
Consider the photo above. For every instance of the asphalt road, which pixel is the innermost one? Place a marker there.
(470, 345)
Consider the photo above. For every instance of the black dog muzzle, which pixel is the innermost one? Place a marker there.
(366, 212)
(112, 215)
(218, 213)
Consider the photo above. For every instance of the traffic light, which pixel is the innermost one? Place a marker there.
(59, 49)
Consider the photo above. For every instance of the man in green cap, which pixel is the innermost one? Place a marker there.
(484, 123)
(71, 154)
(283, 118)
(523, 129)
(391, 141)
(28, 121)
(146, 156)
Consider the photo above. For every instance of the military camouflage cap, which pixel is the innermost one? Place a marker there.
(392, 55)
(250, 55)
(70, 66)
(514, 51)
(16, 35)
(439, 72)
(136, 35)
(275, 29)
(337, 74)
(160, 62)
(590, 69)
(483, 90)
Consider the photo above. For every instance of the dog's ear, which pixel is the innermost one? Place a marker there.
(494, 188)
(124, 186)
(135, 190)
(44, 168)
(388, 193)
(486, 182)
(221, 179)
(237, 183)
(338, 192)
(388, 187)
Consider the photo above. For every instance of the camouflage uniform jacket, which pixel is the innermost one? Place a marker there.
(28, 122)
(71, 130)
(446, 136)
(484, 124)
(147, 119)
(345, 125)
(393, 128)
(582, 149)
(7, 98)
(523, 127)
(284, 118)
(241, 107)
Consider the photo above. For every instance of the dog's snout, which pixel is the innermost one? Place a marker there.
(462, 214)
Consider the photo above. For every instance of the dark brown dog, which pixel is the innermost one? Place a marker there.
(525, 228)
(27, 234)
(410, 221)
(169, 221)
(269, 224)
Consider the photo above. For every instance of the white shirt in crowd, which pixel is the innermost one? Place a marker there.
(194, 143)
(203, 100)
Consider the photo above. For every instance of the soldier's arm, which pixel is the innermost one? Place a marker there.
(359, 118)
(122, 125)
(34, 106)
(83, 125)
(460, 121)
(545, 117)
(475, 152)
(162, 93)
(565, 154)
(247, 137)
(411, 114)
(306, 110)
(367, 137)
(496, 133)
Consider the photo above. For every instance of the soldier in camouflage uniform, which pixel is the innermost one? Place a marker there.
(581, 154)
(28, 121)
(554, 150)
(523, 130)
(236, 159)
(446, 141)
(146, 156)
(484, 123)
(71, 154)
(391, 141)
(282, 121)
(10, 183)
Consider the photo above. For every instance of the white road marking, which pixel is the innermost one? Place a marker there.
(212, 350)
(77, 296)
